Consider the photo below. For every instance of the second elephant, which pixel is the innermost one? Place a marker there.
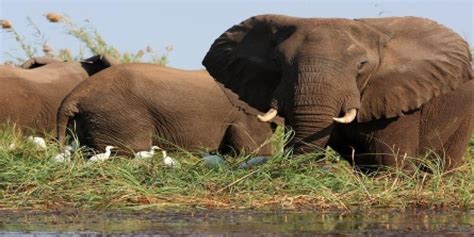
(135, 106)
(30, 95)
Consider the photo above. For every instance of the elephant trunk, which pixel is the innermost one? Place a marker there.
(66, 111)
(312, 128)
(320, 96)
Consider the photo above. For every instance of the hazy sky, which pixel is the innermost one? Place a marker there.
(191, 26)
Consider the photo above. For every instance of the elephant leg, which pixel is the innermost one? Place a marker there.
(354, 151)
(447, 125)
(237, 141)
(248, 135)
(130, 135)
(388, 142)
(455, 148)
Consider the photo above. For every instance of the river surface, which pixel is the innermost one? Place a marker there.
(238, 223)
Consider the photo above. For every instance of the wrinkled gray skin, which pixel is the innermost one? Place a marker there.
(135, 106)
(408, 78)
(30, 95)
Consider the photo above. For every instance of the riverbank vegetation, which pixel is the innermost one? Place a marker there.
(29, 179)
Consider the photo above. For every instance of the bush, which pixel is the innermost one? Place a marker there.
(87, 34)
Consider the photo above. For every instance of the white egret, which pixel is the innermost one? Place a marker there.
(64, 156)
(12, 146)
(38, 141)
(102, 156)
(147, 154)
(170, 162)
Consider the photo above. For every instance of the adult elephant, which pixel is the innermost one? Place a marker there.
(30, 95)
(135, 106)
(369, 88)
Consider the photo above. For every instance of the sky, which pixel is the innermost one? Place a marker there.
(190, 27)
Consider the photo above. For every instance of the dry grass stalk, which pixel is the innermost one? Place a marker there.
(6, 24)
(47, 49)
(54, 17)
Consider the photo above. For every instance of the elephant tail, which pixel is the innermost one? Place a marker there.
(67, 110)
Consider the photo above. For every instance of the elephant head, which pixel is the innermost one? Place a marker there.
(316, 72)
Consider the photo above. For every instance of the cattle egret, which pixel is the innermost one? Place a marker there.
(102, 156)
(170, 162)
(12, 146)
(64, 156)
(147, 154)
(38, 141)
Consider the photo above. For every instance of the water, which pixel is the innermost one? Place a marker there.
(238, 223)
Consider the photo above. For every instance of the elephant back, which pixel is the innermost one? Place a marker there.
(36, 62)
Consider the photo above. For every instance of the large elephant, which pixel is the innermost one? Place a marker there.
(369, 88)
(30, 95)
(135, 106)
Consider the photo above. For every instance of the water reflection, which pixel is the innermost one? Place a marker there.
(238, 223)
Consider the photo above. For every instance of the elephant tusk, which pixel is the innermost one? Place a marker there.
(272, 113)
(348, 117)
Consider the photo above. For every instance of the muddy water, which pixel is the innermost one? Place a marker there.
(238, 223)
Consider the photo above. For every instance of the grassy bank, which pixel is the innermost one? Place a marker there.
(30, 180)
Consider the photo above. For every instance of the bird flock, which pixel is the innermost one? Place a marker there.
(65, 155)
(211, 161)
(167, 160)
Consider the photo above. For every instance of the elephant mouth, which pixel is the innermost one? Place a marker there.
(322, 97)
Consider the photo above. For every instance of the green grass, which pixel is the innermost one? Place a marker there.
(30, 180)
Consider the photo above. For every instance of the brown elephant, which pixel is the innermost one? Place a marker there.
(30, 95)
(369, 88)
(135, 106)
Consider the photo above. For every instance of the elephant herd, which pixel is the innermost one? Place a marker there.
(377, 91)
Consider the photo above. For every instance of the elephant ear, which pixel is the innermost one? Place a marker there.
(98, 63)
(104, 59)
(242, 58)
(38, 62)
(420, 59)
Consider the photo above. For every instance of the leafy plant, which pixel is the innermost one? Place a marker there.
(87, 34)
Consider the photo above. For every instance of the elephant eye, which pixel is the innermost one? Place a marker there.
(360, 68)
(361, 64)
